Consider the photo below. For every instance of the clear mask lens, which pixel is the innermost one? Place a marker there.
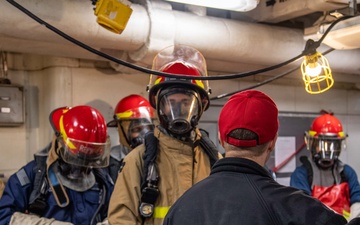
(327, 147)
(180, 110)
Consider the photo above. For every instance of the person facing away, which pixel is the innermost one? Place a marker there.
(66, 183)
(323, 175)
(133, 117)
(173, 158)
(239, 189)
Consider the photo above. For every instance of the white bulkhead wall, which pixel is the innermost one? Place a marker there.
(52, 82)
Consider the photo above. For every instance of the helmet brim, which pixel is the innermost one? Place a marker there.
(112, 123)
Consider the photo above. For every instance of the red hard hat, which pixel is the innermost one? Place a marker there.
(129, 106)
(132, 107)
(83, 132)
(326, 124)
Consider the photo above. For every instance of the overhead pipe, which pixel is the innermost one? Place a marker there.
(153, 27)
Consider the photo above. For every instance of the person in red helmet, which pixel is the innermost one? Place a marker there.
(133, 117)
(67, 183)
(323, 175)
(176, 155)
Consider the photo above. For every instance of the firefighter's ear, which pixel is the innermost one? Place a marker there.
(272, 144)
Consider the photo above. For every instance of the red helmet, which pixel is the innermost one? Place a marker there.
(133, 116)
(325, 139)
(133, 107)
(183, 60)
(82, 132)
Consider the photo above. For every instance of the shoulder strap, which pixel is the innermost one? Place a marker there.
(150, 177)
(114, 168)
(149, 157)
(306, 163)
(101, 211)
(37, 200)
(209, 147)
(343, 177)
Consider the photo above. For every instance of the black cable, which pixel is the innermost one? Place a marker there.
(311, 45)
(256, 85)
(309, 49)
(264, 82)
(331, 26)
(143, 69)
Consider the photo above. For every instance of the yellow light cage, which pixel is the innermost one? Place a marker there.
(316, 84)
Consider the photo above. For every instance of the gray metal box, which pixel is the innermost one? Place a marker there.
(11, 105)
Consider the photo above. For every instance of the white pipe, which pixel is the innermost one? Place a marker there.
(148, 31)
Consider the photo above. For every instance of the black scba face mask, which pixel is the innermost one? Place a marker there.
(137, 131)
(77, 178)
(134, 130)
(179, 110)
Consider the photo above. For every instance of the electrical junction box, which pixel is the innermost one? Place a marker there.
(11, 105)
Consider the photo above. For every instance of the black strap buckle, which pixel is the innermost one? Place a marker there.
(148, 198)
(38, 206)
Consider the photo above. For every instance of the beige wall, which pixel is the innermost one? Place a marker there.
(54, 82)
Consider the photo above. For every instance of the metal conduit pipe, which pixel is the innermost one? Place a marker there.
(152, 28)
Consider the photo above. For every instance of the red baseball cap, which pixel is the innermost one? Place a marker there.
(251, 110)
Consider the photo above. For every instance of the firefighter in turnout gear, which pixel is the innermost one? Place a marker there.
(176, 155)
(133, 118)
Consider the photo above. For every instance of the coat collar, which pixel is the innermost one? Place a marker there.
(239, 165)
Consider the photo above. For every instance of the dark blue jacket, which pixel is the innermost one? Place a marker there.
(80, 211)
(240, 191)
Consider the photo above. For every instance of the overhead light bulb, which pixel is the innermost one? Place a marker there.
(313, 69)
(234, 5)
(316, 73)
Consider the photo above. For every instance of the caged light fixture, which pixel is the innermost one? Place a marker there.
(315, 69)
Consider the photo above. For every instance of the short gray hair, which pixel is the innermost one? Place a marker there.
(245, 134)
